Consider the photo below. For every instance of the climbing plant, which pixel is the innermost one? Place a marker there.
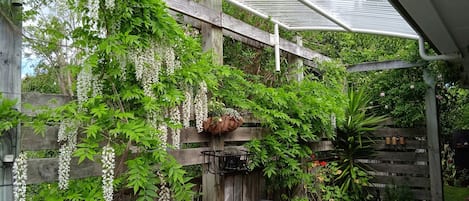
(9, 116)
(134, 67)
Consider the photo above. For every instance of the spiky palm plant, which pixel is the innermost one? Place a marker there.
(353, 142)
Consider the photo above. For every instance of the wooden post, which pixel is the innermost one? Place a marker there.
(296, 73)
(213, 187)
(10, 85)
(433, 140)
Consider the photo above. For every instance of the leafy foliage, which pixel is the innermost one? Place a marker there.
(325, 186)
(80, 190)
(296, 114)
(9, 116)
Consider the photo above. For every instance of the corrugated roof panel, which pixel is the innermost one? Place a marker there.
(369, 16)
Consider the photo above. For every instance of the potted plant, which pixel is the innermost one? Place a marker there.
(221, 120)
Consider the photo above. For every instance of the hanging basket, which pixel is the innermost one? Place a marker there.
(222, 125)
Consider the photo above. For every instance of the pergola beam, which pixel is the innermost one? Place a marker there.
(234, 27)
(382, 65)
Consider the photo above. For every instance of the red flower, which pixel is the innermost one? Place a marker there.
(323, 163)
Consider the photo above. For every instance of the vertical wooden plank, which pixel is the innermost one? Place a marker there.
(238, 187)
(230, 188)
(246, 188)
(254, 186)
(262, 186)
(212, 39)
(432, 138)
(10, 83)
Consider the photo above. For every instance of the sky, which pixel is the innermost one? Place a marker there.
(29, 60)
(28, 63)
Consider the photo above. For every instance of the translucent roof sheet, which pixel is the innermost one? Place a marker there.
(366, 16)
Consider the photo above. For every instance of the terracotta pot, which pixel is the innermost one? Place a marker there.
(221, 125)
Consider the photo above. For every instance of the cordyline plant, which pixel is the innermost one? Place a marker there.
(353, 142)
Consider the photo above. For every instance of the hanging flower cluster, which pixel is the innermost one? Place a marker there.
(108, 172)
(97, 86)
(84, 84)
(67, 135)
(165, 193)
(148, 64)
(147, 67)
(164, 134)
(20, 175)
(110, 4)
(186, 109)
(161, 126)
(65, 157)
(93, 13)
(175, 117)
(200, 106)
(170, 60)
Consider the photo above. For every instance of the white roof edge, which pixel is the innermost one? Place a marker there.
(260, 14)
(388, 33)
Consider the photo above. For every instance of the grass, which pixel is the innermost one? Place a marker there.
(455, 193)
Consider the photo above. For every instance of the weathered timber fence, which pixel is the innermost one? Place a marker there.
(239, 187)
(400, 160)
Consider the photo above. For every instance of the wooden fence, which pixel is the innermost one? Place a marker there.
(400, 156)
(400, 159)
(239, 187)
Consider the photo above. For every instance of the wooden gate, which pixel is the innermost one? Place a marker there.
(400, 160)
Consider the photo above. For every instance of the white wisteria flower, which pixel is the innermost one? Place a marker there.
(97, 86)
(20, 175)
(84, 84)
(200, 106)
(163, 134)
(93, 13)
(165, 193)
(110, 4)
(170, 60)
(147, 66)
(65, 157)
(108, 164)
(67, 131)
(186, 109)
(175, 117)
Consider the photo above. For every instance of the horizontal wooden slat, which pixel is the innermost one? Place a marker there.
(402, 180)
(409, 145)
(46, 169)
(41, 100)
(193, 156)
(322, 146)
(399, 168)
(34, 142)
(406, 132)
(190, 135)
(398, 156)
